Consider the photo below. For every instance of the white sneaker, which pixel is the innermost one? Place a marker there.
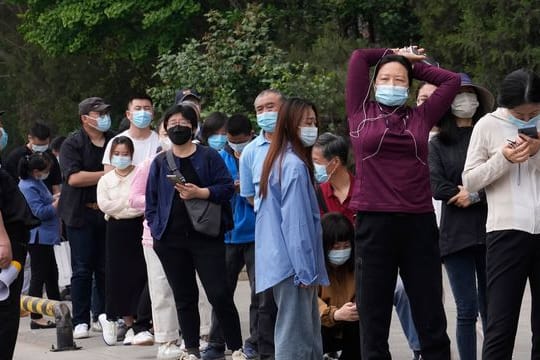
(128, 337)
(239, 355)
(81, 331)
(170, 350)
(96, 326)
(108, 330)
(143, 338)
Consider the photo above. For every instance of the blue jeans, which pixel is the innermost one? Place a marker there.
(298, 324)
(87, 261)
(403, 310)
(466, 271)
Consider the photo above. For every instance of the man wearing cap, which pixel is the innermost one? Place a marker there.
(81, 161)
(191, 96)
(38, 141)
(140, 112)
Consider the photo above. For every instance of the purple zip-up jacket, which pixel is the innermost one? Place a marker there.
(392, 173)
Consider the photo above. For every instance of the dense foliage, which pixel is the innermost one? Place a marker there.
(53, 53)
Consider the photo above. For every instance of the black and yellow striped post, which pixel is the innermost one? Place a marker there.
(62, 316)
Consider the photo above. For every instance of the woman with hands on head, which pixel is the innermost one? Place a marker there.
(395, 223)
(503, 159)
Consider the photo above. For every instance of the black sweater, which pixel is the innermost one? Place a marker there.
(460, 228)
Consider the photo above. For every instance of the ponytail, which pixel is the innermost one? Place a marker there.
(29, 163)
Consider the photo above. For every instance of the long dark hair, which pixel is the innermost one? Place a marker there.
(448, 129)
(289, 118)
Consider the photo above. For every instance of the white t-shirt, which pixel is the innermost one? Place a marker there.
(143, 148)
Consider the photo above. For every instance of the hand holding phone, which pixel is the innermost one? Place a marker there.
(530, 131)
(173, 179)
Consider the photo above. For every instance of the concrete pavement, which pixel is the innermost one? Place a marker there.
(36, 344)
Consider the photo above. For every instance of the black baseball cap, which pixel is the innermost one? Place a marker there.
(93, 104)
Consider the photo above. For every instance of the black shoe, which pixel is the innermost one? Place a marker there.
(35, 325)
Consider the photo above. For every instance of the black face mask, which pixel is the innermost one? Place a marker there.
(179, 134)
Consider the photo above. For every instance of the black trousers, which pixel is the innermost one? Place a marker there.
(344, 337)
(44, 271)
(180, 259)
(236, 256)
(512, 257)
(143, 322)
(10, 308)
(267, 324)
(384, 243)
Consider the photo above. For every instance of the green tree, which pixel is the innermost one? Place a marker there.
(487, 39)
(233, 62)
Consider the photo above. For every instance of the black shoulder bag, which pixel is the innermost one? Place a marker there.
(205, 215)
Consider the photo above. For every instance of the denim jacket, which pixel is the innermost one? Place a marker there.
(159, 192)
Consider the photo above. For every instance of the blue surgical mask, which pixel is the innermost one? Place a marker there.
(520, 123)
(267, 120)
(142, 119)
(103, 122)
(339, 257)
(321, 175)
(308, 135)
(238, 148)
(217, 141)
(391, 95)
(3, 138)
(39, 148)
(120, 162)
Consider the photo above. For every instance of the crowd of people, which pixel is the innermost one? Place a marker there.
(161, 222)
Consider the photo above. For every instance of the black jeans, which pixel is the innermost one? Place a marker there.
(180, 259)
(384, 243)
(10, 308)
(345, 337)
(267, 324)
(512, 257)
(236, 256)
(88, 263)
(144, 312)
(43, 271)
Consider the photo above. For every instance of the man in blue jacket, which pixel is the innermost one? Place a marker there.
(239, 242)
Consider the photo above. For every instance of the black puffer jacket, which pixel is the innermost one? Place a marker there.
(460, 227)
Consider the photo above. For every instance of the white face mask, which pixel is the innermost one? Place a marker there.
(464, 105)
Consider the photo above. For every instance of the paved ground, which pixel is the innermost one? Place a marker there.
(35, 344)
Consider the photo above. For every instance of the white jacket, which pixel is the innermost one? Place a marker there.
(512, 190)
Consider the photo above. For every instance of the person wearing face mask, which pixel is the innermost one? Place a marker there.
(337, 308)
(506, 164)
(124, 264)
(183, 251)
(267, 105)
(213, 132)
(81, 157)
(289, 256)
(462, 231)
(163, 307)
(240, 241)
(33, 170)
(38, 142)
(140, 113)
(392, 195)
(329, 155)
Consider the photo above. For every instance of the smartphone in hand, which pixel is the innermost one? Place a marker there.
(173, 179)
(530, 131)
